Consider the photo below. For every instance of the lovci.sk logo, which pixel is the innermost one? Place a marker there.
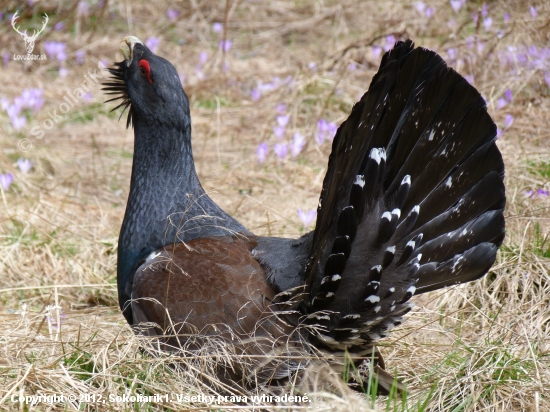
(29, 40)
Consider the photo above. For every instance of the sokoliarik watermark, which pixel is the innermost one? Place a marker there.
(29, 40)
(175, 398)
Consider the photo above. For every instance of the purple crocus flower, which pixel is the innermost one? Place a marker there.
(390, 42)
(452, 53)
(499, 132)
(217, 27)
(325, 130)
(376, 52)
(484, 10)
(279, 131)
(52, 319)
(456, 5)
(420, 6)
(55, 49)
(255, 94)
(487, 23)
(283, 120)
(480, 47)
(59, 26)
(203, 57)
(79, 56)
(225, 45)
(298, 143)
(508, 95)
(312, 66)
(506, 18)
(4, 103)
(320, 134)
(281, 150)
(172, 14)
(5, 180)
(534, 12)
(542, 193)
(430, 11)
(87, 97)
(152, 43)
(528, 193)
(63, 72)
(18, 122)
(352, 66)
(261, 152)
(6, 58)
(24, 165)
(508, 120)
(83, 9)
(307, 217)
(31, 99)
(280, 108)
(501, 103)
(13, 110)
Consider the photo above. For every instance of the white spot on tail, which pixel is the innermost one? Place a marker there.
(411, 243)
(360, 180)
(375, 155)
(449, 182)
(386, 215)
(457, 262)
(406, 180)
(373, 299)
(391, 249)
(335, 278)
(412, 289)
(431, 136)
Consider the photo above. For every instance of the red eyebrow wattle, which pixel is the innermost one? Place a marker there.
(145, 65)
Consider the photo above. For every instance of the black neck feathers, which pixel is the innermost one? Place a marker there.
(167, 203)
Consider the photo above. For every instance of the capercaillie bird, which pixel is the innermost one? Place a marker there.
(412, 202)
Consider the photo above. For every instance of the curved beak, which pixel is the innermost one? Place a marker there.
(127, 48)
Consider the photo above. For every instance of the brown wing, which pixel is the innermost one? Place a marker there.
(206, 285)
(213, 287)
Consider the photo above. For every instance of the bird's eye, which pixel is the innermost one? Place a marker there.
(145, 70)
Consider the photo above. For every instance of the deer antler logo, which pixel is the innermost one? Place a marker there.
(29, 40)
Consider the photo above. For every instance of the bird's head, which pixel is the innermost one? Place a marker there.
(149, 86)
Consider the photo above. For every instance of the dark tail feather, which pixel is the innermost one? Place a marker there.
(412, 200)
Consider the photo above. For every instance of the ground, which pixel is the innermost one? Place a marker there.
(480, 346)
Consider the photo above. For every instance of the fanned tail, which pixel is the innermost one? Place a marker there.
(412, 201)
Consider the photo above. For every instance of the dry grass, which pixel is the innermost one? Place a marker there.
(481, 346)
